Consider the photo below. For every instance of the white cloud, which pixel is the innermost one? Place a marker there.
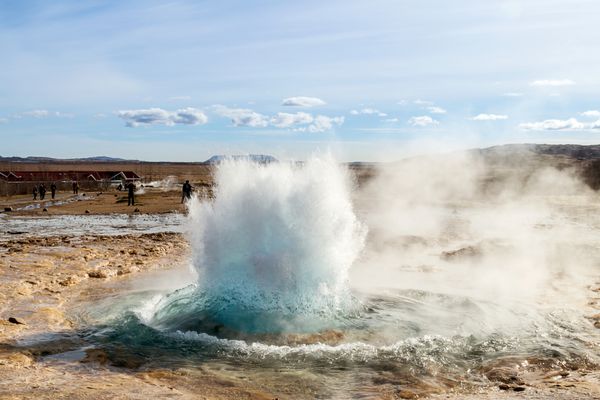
(64, 115)
(420, 102)
(302, 101)
(422, 121)
(552, 82)
(35, 114)
(42, 114)
(242, 116)
(489, 117)
(570, 124)
(287, 120)
(158, 116)
(299, 121)
(436, 110)
(391, 120)
(3, 120)
(368, 111)
(189, 116)
(591, 113)
(512, 94)
(402, 102)
(323, 123)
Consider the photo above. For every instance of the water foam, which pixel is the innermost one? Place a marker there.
(273, 249)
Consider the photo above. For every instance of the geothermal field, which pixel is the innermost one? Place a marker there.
(468, 275)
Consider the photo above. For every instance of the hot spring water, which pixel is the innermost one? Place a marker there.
(283, 276)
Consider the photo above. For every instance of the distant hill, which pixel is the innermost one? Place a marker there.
(34, 159)
(258, 158)
(576, 151)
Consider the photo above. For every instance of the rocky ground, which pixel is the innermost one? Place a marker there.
(43, 279)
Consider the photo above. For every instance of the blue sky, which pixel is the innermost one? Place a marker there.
(368, 80)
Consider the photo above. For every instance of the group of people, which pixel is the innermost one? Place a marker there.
(41, 190)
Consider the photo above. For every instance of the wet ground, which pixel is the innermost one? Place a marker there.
(490, 311)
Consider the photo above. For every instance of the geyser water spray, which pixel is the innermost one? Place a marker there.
(272, 249)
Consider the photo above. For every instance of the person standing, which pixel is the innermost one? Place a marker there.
(130, 194)
(35, 192)
(42, 191)
(75, 187)
(186, 192)
(53, 190)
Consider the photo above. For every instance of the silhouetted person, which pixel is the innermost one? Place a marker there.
(35, 192)
(42, 191)
(186, 192)
(130, 195)
(75, 187)
(53, 190)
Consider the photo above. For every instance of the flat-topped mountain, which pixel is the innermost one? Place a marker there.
(258, 158)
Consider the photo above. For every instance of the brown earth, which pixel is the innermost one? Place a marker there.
(43, 279)
(152, 201)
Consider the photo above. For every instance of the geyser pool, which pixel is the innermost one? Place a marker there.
(272, 251)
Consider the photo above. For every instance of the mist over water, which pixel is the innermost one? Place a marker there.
(435, 270)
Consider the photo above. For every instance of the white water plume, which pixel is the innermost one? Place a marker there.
(277, 241)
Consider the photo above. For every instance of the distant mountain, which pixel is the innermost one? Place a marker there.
(576, 151)
(257, 158)
(35, 159)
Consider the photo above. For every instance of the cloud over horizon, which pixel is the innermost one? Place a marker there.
(302, 101)
(489, 117)
(158, 116)
(436, 110)
(590, 113)
(422, 121)
(299, 121)
(368, 111)
(571, 124)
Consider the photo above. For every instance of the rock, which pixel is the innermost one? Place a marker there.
(503, 386)
(519, 389)
(87, 211)
(137, 210)
(407, 394)
(504, 375)
(14, 320)
(102, 273)
(95, 355)
(45, 210)
(97, 274)
(127, 361)
(71, 280)
(8, 209)
(465, 252)
(19, 360)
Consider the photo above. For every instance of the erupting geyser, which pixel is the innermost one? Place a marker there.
(272, 250)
